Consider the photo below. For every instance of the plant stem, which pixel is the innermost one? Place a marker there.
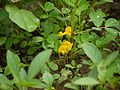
(72, 17)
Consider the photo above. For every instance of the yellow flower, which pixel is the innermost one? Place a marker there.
(68, 31)
(68, 44)
(65, 47)
(61, 34)
(62, 49)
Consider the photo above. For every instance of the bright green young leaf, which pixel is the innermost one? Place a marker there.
(53, 66)
(38, 62)
(56, 76)
(23, 18)
(37, 39)
(108, 0)
(49, 6)
(71, 86)
(23, 74)
(48, 79)
(5, 84)
(36, 83)
(111, 22)
(92, 52)
(3, 79)
(86, 81)
(7, 71)
(13, 63)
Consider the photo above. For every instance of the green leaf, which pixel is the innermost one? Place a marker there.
(1, 69)
(23, 44)
(48, 79)
(111, 22)
(101, 68)
(92, 52)
(71, 86)
(56, 76)
(52, 38)
(108, 0)
(35, 83)
(23, 74)
(37, 39)
(2, 40)
(97, 17)
(111, 30)
(3, 15)
(7, 71)
(3, 79)
(9, 42)
(93, 72)
(5, 84)
(32, 50)
(49, 6)
(112, 56)
(23, 18)
(69, 2)
(86, 81)
(83, 5)
(38, 62)
(53, 66)
(65, 10)
(13, 63)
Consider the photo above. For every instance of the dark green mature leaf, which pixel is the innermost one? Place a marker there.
(3, 15)
(83, 5)
(38, 63)
(86, 81)
(49, 6)
(23, 18)
(92, 52)
(65, 10)
(2, 40)
(112, 56)
(13, 63)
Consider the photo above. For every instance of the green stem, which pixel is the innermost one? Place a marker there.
(62, 13)
(72, 17)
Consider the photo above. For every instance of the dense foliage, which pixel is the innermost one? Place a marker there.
(59, 44)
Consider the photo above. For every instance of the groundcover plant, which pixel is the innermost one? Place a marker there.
(59, 45)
